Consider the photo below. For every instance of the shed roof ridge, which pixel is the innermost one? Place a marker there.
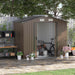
(33, 17)
(27, 18)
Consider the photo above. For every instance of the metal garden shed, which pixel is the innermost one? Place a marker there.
(29, 30)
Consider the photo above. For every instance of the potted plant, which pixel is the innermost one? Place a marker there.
(73, 49)
(19, 55)
(45, 53)
(66, 50)
(27, 57)
(32, 56)
(61, 54)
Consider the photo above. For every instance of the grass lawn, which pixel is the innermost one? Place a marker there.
(57, 72)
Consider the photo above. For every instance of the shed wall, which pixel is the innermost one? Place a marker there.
(18, 28)
(28, 38)
(61, 28)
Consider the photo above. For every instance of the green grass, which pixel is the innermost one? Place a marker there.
(57, 72)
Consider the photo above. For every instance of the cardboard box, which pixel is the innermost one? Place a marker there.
(12, 54)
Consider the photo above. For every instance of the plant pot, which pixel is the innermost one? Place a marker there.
(45, 53)
(67, 54)
(73, 52)
(61, 56)
(37, 53)
(27, 58)
(19, 57)
(32, 58)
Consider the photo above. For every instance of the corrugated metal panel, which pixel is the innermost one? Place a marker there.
(28, 38)
(18, 28)
(61, 35)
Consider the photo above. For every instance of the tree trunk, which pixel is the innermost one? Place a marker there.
(55, 13)
(11, 14)
(11, 9)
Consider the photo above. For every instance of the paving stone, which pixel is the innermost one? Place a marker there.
(14, 66)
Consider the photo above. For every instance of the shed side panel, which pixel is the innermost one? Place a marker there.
(18, 28)
(28, 38)
(61, 35)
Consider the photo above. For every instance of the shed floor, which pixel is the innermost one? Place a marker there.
(8, 66)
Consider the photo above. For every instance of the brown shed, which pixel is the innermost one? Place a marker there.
(31, 29)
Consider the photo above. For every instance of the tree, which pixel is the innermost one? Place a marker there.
(68, 9)
(57, 8)
(52, 7)
(60, 8)
(30, 7)
(71, 35)
(15, 7)
(20, 7)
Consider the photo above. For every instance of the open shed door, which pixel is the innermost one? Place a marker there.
(45, 32)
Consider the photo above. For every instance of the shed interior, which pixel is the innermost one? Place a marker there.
(45, 32)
